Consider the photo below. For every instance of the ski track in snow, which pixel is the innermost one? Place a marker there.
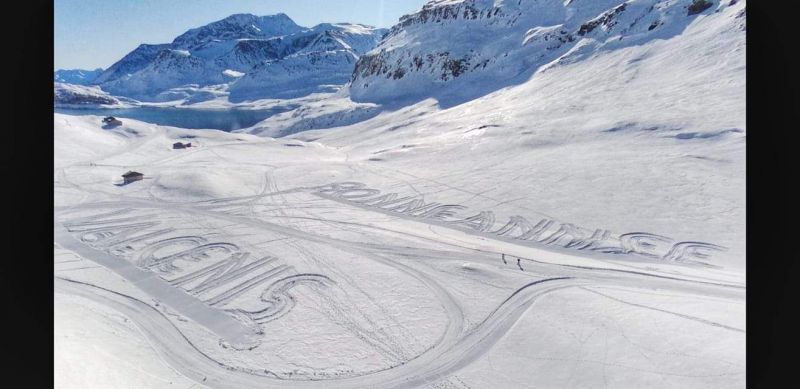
(109, 231)
(458, 346)
(414, 246)
(453, 351)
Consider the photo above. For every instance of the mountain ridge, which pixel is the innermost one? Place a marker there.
(227, 51)
(76, 76)
(429, 53)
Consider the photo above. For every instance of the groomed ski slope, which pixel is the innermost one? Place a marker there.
(427, 246)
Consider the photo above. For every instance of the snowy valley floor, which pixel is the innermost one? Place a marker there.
(428, 257)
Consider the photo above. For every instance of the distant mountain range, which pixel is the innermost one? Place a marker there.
(256, 56)
(453, 50)
(76, 76)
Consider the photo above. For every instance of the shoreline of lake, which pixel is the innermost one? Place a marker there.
(224, 119)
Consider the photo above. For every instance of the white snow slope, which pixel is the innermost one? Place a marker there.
(583, 227)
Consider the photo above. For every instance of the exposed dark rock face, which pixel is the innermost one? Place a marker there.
(606, 19)
(436, 13)
(86, 100)
(698, 6)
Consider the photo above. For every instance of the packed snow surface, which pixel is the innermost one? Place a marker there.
(582, 226)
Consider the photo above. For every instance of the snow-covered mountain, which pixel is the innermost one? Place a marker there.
(76, 76)
(235, 27)
(320, 58)
(583, 218)
(67, 95)
(258, 56)
(131, 63)
(466, 48)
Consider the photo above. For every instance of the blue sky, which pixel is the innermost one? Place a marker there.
(97, 33)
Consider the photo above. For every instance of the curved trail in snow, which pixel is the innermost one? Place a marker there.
(454, 349)
(436, 363)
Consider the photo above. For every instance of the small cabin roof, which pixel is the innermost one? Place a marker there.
(132, 173)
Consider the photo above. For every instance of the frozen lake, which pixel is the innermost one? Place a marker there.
(218, 119)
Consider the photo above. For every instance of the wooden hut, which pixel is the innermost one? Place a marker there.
(179, 145)
(132, 176)
(112, 121)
